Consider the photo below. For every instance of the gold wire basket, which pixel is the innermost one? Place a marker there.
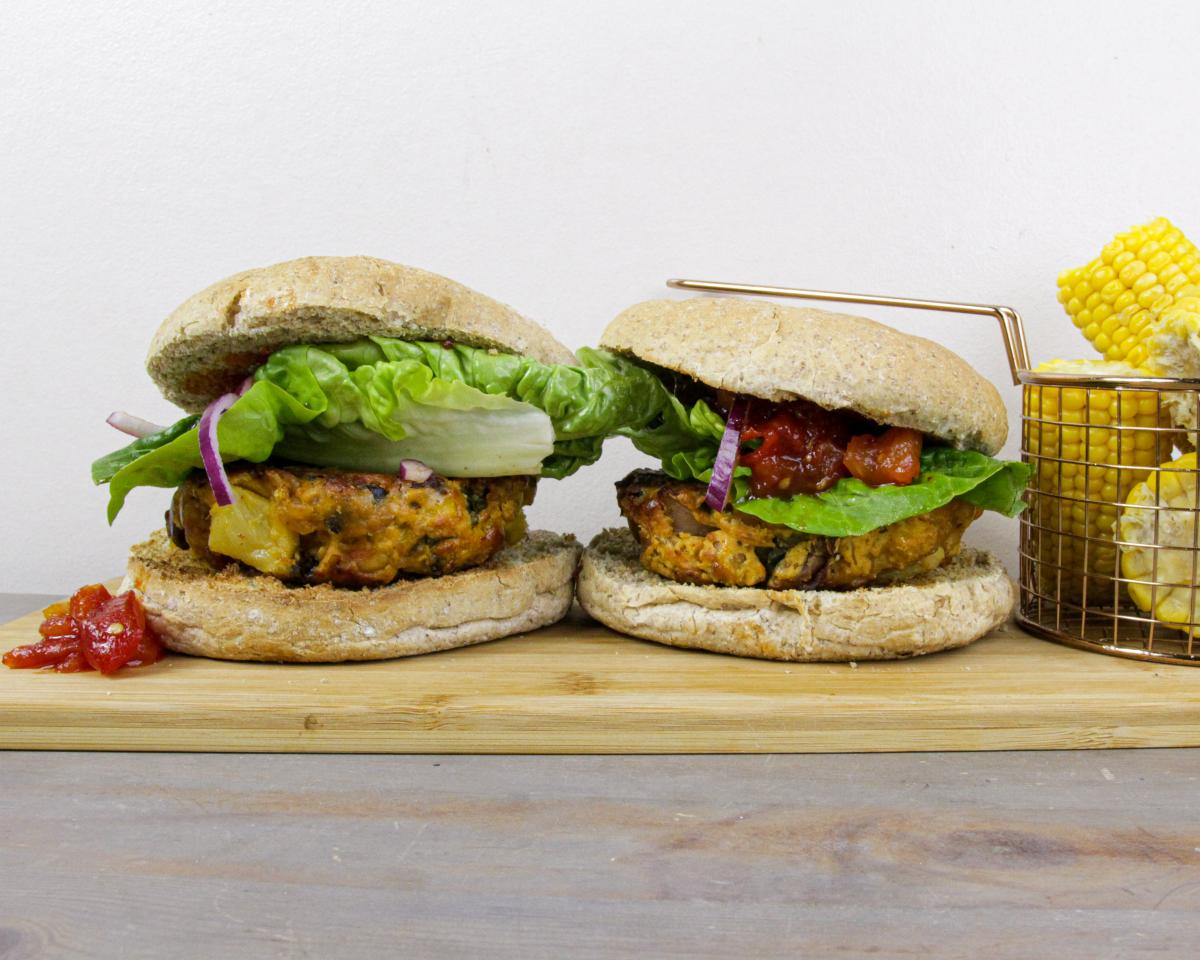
(1075, 570)
(1072, 588)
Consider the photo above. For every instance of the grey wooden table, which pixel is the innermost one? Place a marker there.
(1084, 854)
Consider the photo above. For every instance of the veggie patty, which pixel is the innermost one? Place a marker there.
(685, 540)
(315, 525)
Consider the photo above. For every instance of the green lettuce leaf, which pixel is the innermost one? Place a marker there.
(851, 508)
(107, 467)
(685, 439)
(375, 414)
(248, 430)
(367, 405)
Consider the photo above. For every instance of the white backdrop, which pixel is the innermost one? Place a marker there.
(562, 157)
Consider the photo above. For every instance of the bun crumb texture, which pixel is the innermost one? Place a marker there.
(235, 614)
(950, 607)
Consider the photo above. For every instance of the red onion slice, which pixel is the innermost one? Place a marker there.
(727, 454)
(414, 471)
(134, 426)
(210, 452)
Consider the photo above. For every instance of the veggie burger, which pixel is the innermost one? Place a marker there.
(350, 483)
(818, 471)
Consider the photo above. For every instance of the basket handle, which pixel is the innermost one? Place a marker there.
(1011, 327)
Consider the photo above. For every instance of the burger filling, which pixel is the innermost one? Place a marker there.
(799, 447)
(790, 495)
(686, 540)
(314, 525)
(752, 492)
(416, 457)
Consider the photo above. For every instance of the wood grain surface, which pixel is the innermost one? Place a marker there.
(1070, 855)
(1005, 856)
(580, 688)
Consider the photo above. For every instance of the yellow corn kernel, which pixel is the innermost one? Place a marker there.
(1116, 298)
(1092, 448)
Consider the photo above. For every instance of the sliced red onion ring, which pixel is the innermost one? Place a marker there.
(414, 471)
(134, 426)
(246, 385)
(727, 454)
(210, 452)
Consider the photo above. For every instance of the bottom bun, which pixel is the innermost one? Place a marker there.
(949, 607)
(233, 614)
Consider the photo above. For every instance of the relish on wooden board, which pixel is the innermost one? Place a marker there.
(92, 631)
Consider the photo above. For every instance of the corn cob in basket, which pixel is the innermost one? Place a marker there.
(1116, 299)
(1139, 302)
(1159, 551)
(1089, 449)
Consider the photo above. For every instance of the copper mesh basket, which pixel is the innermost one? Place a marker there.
(1072, 586)
(1085, 552)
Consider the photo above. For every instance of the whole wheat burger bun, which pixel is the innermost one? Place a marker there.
(209, 344)
(232, 614)
(949, 607)
(835, 360)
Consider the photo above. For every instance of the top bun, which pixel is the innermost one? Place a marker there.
(837, 361)
(213, 340)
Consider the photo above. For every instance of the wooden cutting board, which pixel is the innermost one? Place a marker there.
(580, 688)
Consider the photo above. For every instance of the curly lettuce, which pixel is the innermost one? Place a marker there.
(367, 405)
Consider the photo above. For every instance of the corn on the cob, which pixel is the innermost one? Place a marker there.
(1095, 446)
(1116, 299)
(1174, 348)
(1171, 541)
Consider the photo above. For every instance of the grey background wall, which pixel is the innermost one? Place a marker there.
(562, 157)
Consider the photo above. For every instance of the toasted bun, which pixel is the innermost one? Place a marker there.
(947, 608)
(234, 615)
(833, 359)
(211, 342)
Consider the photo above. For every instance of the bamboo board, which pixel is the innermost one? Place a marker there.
(580, 688)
